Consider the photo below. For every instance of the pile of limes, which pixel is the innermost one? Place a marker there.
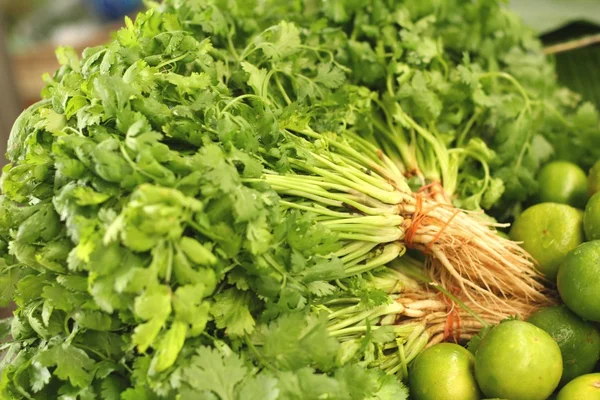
(555, 353)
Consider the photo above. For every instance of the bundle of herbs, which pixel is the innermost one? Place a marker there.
(217, 204)
(465, 96)
(146, 262)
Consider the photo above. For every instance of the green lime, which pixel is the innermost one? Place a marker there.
(579, 280)
(517, 360)
(563, 182)
(591, 218)
(443, 371)
(594, 179)
(586, 387)
(579, 341)
(503, 235)
(548, 232)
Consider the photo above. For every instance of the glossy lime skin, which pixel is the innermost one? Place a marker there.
(517, 360)
(579, 280)
(443, 371)
(579, 341)
(563, 182)
(586, 387)
(548, 231)
(594, 179)
(591, 218)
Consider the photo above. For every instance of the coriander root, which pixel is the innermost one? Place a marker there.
(467, 254)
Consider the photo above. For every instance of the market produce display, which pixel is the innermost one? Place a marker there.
(579, 340)
(298, 200)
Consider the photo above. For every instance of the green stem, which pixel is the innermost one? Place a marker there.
(344, 311)
(417, 347)
(557, 114)
(259, 356)
(511, 79)
(171, 61)
(392, 197)
(398, 140)
(357, 173)
(394, 308)
(282, 90)
(349, 331)
(237, 100)
(403, 362)
(354, 249)
(354, 257)
(334, 199)
(373, 162)
(369, 221)
(484, 164)
(369, 237)
(467, 128)
(441, 153)
(317, 209)
(390, 252)
(230, 45)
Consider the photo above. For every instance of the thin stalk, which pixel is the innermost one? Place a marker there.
(390, 252)
(417, 346)
(299, 180)
(398, 140)
(372, 163)
(394, 308)
(354, 257)
(484, 164)
(371, 221)
(237, 100)
(317, 209)
(282, 90)
(354, 248)
(402, 355)
(383, 238)
(259, 356)
(438, 147)
(357, 260)
(463, 134)
(366, 230)
(351, 330)
(345, 179)
(337, 200)
(512, 80)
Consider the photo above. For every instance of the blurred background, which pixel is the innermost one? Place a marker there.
(30, 30)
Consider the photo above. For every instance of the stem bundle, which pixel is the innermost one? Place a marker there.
(368, 203)
(416, 317)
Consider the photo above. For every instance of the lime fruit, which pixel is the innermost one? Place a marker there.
(594, 179)
(548, 231)
(579, 280)
(591, 218)
(579, 341)
(517, 360)
(503, 235)
(586, 387)
(443, 371)
(563, 182)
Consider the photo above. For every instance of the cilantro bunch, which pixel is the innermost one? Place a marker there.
(463, 94)
(147, 256)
